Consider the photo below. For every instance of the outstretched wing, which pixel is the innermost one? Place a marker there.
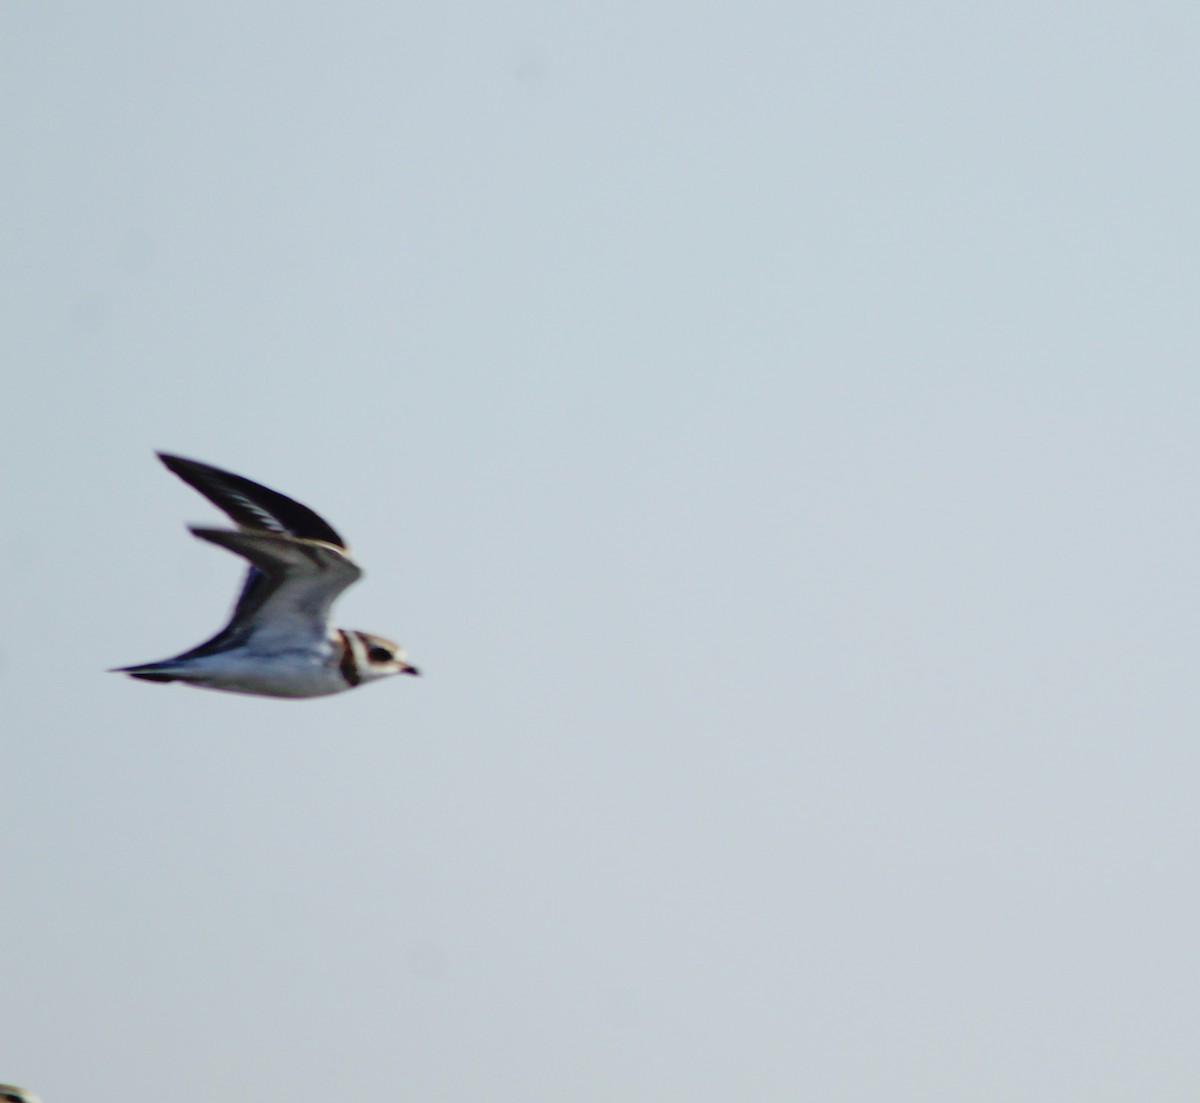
(299, 580)
(251, 505)
(256, 508)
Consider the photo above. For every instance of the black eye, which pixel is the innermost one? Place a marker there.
(379, 655)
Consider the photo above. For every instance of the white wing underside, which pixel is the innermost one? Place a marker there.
(301, 581)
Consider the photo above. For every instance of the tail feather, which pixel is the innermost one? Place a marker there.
(149, 672)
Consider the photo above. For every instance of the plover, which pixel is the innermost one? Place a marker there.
(278, 642)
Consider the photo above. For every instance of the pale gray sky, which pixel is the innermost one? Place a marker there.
(774, 428)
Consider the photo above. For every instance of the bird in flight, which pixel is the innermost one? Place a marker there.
(11, 1094)
(278, 642)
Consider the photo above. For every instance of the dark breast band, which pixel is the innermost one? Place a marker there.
(348, 666)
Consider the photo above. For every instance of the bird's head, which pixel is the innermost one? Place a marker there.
(373, 658)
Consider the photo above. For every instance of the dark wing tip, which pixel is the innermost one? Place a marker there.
(251, 504)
